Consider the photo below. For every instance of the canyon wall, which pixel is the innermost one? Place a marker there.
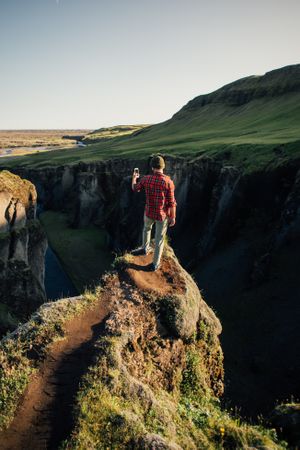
(215, 200)
(22, 246)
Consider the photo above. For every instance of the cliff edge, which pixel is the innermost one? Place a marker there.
(135, 364)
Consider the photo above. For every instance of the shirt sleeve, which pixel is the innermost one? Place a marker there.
(139, 185)
(170, 196)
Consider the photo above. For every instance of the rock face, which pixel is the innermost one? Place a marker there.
(214, 200)
(289, 229)
(22, 246)
(286, 419)
(181, 304)
(100, 193)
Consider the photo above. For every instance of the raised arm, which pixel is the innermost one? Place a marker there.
(136, 186)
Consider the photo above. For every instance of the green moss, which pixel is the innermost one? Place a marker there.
(14, 378)
(204, 332)
(21, 189)
(193, 382)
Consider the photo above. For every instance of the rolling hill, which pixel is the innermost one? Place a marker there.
(246, 122)
(111, 133)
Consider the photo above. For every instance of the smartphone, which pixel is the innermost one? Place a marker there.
(136, 170)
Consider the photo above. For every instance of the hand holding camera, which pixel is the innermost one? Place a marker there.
(136, 173)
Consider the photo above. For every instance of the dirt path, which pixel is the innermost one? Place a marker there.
(44, 417)
(161, 281)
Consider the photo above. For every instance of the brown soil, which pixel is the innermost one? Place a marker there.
(44, 416)
(161, 281)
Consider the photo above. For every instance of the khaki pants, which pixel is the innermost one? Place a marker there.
(160, 231)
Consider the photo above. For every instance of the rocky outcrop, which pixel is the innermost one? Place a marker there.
(181, 304)
(22, 246)
(286, 419)
(143, 385)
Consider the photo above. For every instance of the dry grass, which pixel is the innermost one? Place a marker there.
(32, 138)
(22, 142)
(19, 188)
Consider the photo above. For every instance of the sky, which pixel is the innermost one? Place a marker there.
(95, 63)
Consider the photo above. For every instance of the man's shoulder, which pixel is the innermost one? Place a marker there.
(169, 180)
(145, 178)
(161, 177)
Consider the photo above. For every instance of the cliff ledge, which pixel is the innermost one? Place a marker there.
(135, 364)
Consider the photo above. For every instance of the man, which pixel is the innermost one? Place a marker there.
(160, 208)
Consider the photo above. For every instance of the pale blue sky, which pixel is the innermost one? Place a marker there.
(93, 63)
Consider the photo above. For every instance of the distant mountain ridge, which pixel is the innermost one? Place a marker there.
(271, 84)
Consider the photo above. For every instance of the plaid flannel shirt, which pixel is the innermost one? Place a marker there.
(159, 189)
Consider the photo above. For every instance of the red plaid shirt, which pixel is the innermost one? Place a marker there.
(159, 189)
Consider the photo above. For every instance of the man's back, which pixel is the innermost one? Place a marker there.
(159, 189)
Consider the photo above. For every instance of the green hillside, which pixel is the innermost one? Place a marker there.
(248, 120)
(111, 133)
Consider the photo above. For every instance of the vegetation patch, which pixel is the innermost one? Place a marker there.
(111, 133)
(22, 350)
(21, 189)
(83, 252)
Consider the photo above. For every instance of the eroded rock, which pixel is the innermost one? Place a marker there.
(22, 246)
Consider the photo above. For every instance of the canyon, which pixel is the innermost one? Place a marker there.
(237, 233)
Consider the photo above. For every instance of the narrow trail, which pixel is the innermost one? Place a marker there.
(44, 416)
